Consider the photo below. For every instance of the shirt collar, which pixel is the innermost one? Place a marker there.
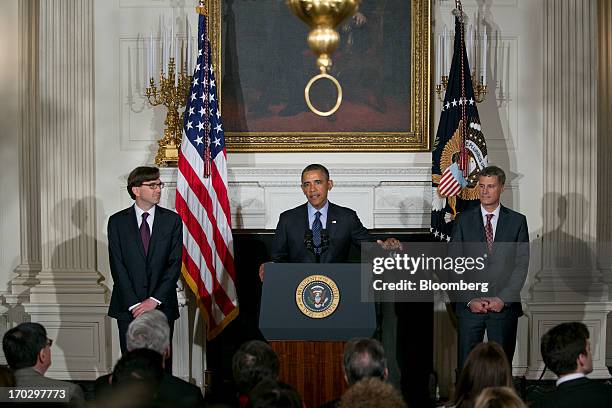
(570, 377)
(495, 212)
(140, 211)
(312, 210)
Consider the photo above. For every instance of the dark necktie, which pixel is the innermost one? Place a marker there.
(316, 231)
(489, 232)
(145, 232)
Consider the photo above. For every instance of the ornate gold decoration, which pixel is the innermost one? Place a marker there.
(328, 302)
(307, 94)
(417, 138)
(449, 155)
(480, 88)
(173, 96)
(323, 16)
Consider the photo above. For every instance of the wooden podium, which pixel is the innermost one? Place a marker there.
(310, 342)
(314, 368)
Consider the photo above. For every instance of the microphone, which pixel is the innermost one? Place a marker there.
(324, 240)
(308, 241)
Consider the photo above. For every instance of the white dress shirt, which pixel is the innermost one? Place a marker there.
(150, 218)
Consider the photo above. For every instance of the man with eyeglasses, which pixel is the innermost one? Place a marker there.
(145, 247)
(27, 350)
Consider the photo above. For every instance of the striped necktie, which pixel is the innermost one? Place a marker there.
(316, 232)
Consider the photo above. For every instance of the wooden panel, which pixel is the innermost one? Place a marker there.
(314, 368)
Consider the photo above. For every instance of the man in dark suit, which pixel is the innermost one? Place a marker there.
(144, 245)
(150, 330)
(319, 231)
(502, 235)
(566, 350)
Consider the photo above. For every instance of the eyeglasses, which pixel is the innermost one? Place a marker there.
(154, 186)
(49, 342)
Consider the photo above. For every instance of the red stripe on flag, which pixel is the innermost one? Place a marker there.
(200, 191)
(196, 231)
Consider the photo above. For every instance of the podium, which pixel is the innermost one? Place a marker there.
(308, 312)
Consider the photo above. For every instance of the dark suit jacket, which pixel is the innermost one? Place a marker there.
(506, 266)
(343, 226)
(581, 392)
(172, 392)
(137, 277)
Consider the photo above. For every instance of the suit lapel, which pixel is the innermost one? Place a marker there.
(477, 219)
(134, 233)
(502, 224)
(159, 223)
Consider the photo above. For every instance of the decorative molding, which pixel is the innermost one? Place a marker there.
(545, 315)
(80, 336)
(391, 197)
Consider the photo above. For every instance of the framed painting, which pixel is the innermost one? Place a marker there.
(382, 63)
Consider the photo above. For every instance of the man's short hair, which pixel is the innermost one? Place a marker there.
(139, 365)
(141, 175)
(494, 171)
(22, 344)
(372, 393)
(254, 361)
(562, 345)
(316, 167)
(364, 358)
(149, 330)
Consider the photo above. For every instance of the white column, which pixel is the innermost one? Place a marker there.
(604, 167)
(29, 182)
(68, 290)
(569, 285)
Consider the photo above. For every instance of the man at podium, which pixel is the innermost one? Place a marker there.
(319, 231)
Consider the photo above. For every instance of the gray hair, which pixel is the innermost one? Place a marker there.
(364, 358)
(150, 330)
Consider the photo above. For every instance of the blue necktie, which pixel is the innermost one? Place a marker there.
(316, 231)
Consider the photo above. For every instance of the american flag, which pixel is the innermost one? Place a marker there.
(452, 181)
(201, 197)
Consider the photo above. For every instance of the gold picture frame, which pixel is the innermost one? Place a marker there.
(415, 137)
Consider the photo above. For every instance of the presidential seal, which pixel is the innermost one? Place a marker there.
(317, 296)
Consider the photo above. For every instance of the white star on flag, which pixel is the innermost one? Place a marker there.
(189, 125)
(200, 126)
(217, 142)
(198, 140)
(218, 128)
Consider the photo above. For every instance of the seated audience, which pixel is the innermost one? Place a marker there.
(136, 381)
(28, 353)
(363, 358)
(270, 393)
(372, 393)
(499, 397)
(566, 350)
(254, 361)
(150, 330)
(486, 366)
